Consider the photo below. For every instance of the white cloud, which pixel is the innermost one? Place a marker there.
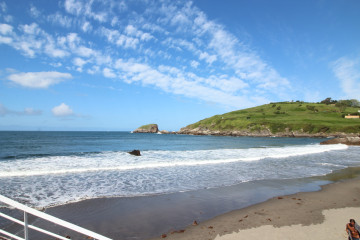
(52, 51)
(73, 6)
(26, 112)
(61, 20)
(3, 6)
(79, 62)
(93, 70)
(75, 44)
(127, 42)
(86, 26)
(156, 42)
(32, 29)
(348, 72)
(30, 41)
(5, 29)
(62, 110)
(34, 12)
(110, 34)
(32, 112)
(73, 40)
(225, 48)
(194, 64)
(8, 18)
(207, 57)
(85, 51)
(109, 73)
(130, 30)
(154, 28)
(56, 64)
(38, 79)
(86, 8)
(173, 80)
(129, 39)
(5, 40)
(181, 19)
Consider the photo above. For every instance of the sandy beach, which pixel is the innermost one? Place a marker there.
(151, 216)
(267, 207)
(311, 215)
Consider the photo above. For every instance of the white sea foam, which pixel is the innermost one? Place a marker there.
(122, 161)
(45, 181)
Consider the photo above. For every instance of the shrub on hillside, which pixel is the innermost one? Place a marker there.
(312, 108)
(308, 128)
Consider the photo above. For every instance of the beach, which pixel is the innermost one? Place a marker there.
(311, 215)
(222, 213)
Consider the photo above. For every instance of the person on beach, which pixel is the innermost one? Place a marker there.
(353, 230)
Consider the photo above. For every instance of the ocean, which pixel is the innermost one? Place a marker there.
(44, 169)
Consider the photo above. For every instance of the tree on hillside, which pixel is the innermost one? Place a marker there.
(355, 103)
(343, 104)
(328, 101)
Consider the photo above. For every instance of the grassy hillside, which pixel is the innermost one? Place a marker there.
(286, 116)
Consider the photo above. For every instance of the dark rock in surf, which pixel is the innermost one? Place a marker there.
(135, 152)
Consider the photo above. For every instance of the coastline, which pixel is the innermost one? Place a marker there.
(149, 217)
(265, 133)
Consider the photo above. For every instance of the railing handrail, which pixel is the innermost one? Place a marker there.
(52, 219)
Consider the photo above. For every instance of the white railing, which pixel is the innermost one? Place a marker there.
(27, 210)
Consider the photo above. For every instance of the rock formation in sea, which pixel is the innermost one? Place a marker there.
(135, 152)
(149, 128)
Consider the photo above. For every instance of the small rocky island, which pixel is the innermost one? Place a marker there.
(149, 128)
(152, 128)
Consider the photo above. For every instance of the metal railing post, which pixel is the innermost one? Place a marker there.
(26, 229)
(27, 210)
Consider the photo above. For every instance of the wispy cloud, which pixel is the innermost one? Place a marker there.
(169, 45)
(26, 112)
(38, 79)
(347, 70)
(215, 89)
(109, 73)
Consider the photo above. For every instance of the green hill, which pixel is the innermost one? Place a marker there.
(281, 119)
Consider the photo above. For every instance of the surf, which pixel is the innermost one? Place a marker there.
(122, 161)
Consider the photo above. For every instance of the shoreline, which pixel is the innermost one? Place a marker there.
(264, 133)
(295, 216)
(151, 216)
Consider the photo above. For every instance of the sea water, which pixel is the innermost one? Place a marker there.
(44, 169)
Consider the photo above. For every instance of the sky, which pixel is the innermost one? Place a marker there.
(112, 65)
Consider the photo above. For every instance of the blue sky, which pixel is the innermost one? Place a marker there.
(116, 65)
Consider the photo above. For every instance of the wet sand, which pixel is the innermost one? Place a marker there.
(152, 216)
(311, 215)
